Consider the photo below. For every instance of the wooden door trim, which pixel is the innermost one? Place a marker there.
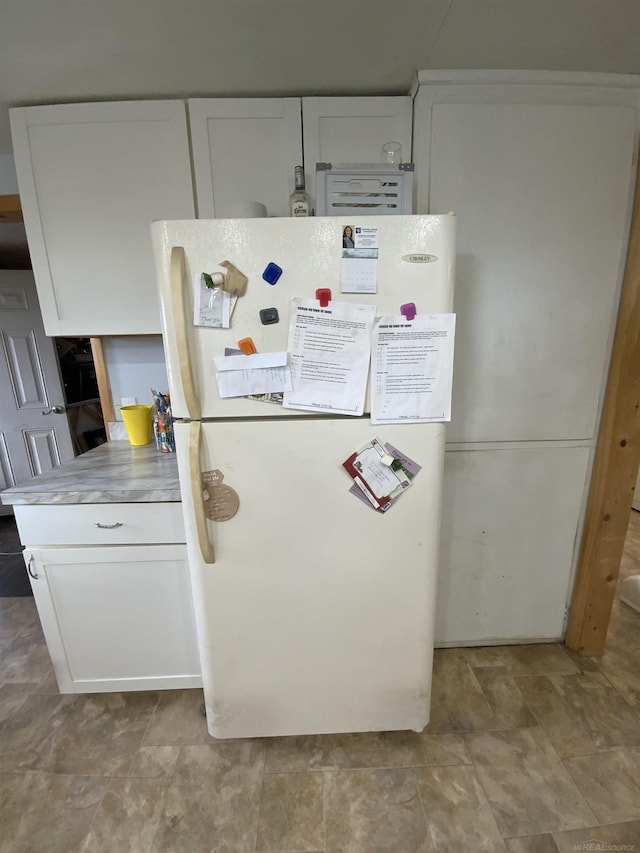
(102, 378)
(615, 468)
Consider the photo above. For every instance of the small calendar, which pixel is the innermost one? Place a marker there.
(359, 269)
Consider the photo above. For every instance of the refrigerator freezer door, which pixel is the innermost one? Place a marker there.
(318, 613)
(309, 251)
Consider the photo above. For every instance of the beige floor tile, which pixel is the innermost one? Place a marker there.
(458, 703)
(505, 699)
(536, 659)
(17, 614)
(23, 729)
(213, 800)
(128, 817)
(457, 812)
(610, 783)
(600, 709)
(96, 734)
(41, 812)
(374, 811)
(532, 844)
(353, 751)
(528, 788)
(445, 749)
(564, 728)
(178, 719)
(12, 696)
(154, 761)
(541, 659)
(25, 658)
(620, 836)
(291, 812)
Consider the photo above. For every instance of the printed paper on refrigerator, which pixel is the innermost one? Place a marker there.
(244, 375)
(412, 369)
(330, 350)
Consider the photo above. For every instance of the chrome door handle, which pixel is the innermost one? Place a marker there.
(108, 526)
(54, 410)
(30, 564)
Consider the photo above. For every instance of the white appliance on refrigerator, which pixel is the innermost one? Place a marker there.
(314, 613)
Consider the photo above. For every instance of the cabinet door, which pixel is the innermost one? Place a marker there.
(541, 192)
(509, 522)
(244, 150)
(353, 130)
(92, 177)
(117, 618)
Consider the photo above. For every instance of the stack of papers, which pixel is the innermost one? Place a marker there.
(380, 474)
(261, 373)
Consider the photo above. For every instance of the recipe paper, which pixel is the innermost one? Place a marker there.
(330, 350)
(211, 305)
(243, 375)
(412, 369)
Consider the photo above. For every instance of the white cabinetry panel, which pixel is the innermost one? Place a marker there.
(541, 192)
(508, 530)
(116, 618)
(92, 177)
(353, 130)
(101, 523)
(244, 150)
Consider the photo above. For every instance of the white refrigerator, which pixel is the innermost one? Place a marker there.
(314, 612)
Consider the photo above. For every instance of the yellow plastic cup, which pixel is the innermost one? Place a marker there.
(137, 420)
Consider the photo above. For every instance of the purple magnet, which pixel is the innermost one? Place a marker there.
(408, 310)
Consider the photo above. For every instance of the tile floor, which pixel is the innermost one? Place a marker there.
(530, 750)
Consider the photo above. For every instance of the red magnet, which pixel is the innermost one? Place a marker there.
(247, 346)
(408, 310)
(324, 295)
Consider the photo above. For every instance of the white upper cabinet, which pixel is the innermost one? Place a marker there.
(353, 130)
(540, 179)
(244, 150)
(92, 177)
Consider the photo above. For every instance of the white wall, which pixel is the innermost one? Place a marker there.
(134, 366)
(8, 177)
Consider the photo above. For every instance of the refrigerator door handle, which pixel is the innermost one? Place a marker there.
(182, 331)
(206, 547)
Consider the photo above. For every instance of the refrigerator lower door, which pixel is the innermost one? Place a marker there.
(318, 613)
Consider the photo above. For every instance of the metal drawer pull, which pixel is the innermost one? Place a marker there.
(31, 562)
(108, 526)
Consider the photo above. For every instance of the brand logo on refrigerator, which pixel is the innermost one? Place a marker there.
(419, 258)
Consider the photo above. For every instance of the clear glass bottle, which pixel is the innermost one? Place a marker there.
(299, 203)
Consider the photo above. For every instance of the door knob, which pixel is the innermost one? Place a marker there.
(54, 410)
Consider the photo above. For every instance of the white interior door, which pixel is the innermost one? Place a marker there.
(30, 442)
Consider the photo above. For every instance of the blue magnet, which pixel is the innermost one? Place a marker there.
(272, 273)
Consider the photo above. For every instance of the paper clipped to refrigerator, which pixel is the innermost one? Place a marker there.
(262, 373)
(412, 369)
(330, 349)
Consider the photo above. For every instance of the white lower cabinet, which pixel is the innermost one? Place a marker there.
(510, 518)
(115, 617)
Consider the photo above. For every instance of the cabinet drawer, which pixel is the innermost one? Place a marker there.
(100, 524)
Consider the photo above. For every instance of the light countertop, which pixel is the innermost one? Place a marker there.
(115, 472)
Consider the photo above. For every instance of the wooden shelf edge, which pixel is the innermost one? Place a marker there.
(10, 209)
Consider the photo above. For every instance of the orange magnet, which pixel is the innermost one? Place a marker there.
(247, 346)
